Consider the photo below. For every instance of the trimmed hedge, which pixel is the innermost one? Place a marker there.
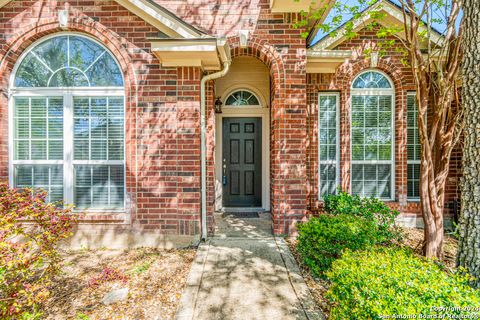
(322, 239)
(368, 208)
(392, 281)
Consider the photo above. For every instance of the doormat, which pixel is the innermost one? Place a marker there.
(241, 214)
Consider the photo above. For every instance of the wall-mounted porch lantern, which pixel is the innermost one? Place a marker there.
(218, 105)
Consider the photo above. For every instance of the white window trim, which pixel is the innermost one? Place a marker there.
(337, 152)
(411, 199)
(68, 120)
(376, 92)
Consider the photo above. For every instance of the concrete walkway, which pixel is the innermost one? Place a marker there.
(244, 272)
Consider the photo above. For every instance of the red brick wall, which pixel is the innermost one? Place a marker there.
(341, 82)
(162, 110)
(163, 104)
(276, 43)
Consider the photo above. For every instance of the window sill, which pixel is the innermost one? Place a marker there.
(99, 211)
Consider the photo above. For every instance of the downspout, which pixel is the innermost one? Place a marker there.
(203, 142)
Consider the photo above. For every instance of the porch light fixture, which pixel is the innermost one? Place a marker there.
(218, 105)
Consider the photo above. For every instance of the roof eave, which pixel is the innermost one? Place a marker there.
(161, 18)
(208, 54)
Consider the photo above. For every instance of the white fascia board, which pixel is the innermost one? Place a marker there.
(208, 53)
(153, 16)
(328, 54)
(394, 13)
(184, 46)
(158, 19)
(224, 50)
(326, 61)
(4, 2)
(285, 6)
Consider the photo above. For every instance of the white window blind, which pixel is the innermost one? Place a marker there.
(38, 143)
(44, 177)
(99, 186)
(372, 135)
(413, 149)
(98, 149)
(38, 128)
(98, 128)
(328, 144)
(98, 136)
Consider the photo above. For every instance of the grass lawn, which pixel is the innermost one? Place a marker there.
(412, 238)
(155, 279)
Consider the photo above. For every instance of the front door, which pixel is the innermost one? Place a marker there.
(242, 162)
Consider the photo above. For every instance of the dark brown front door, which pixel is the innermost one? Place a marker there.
(242, 162)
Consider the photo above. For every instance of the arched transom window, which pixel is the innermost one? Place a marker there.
(242, 98)
(68, 61)
(68, 123)
(372, 136)
(371, 80)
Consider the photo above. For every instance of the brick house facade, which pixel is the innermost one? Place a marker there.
(163, 49)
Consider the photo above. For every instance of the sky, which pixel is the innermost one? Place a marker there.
(346, 16)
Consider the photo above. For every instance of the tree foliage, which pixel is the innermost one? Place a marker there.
(434, 58)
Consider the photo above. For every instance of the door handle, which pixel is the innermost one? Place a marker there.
(224, 180)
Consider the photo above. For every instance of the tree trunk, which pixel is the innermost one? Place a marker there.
(469, 244)
(432, 214)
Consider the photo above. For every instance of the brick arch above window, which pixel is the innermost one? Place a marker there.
(266, 53)
(348, 72)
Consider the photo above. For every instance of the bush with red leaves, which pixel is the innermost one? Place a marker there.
(30, 230)
(106, 275)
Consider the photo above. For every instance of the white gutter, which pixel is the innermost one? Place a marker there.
(203, 142)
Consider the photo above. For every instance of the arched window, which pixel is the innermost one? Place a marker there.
(371, 80)
(242, 98)
(68, 123)
(372, 136)
(68, 61)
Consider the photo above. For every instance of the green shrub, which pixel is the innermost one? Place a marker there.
(387, 281)
(30, 230)
(322, 239)
(368, 208)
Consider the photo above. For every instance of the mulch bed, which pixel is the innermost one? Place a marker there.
(155, 279)
(412, 238)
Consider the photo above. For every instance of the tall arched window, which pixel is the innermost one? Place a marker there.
(67, 123)
(372, 135)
